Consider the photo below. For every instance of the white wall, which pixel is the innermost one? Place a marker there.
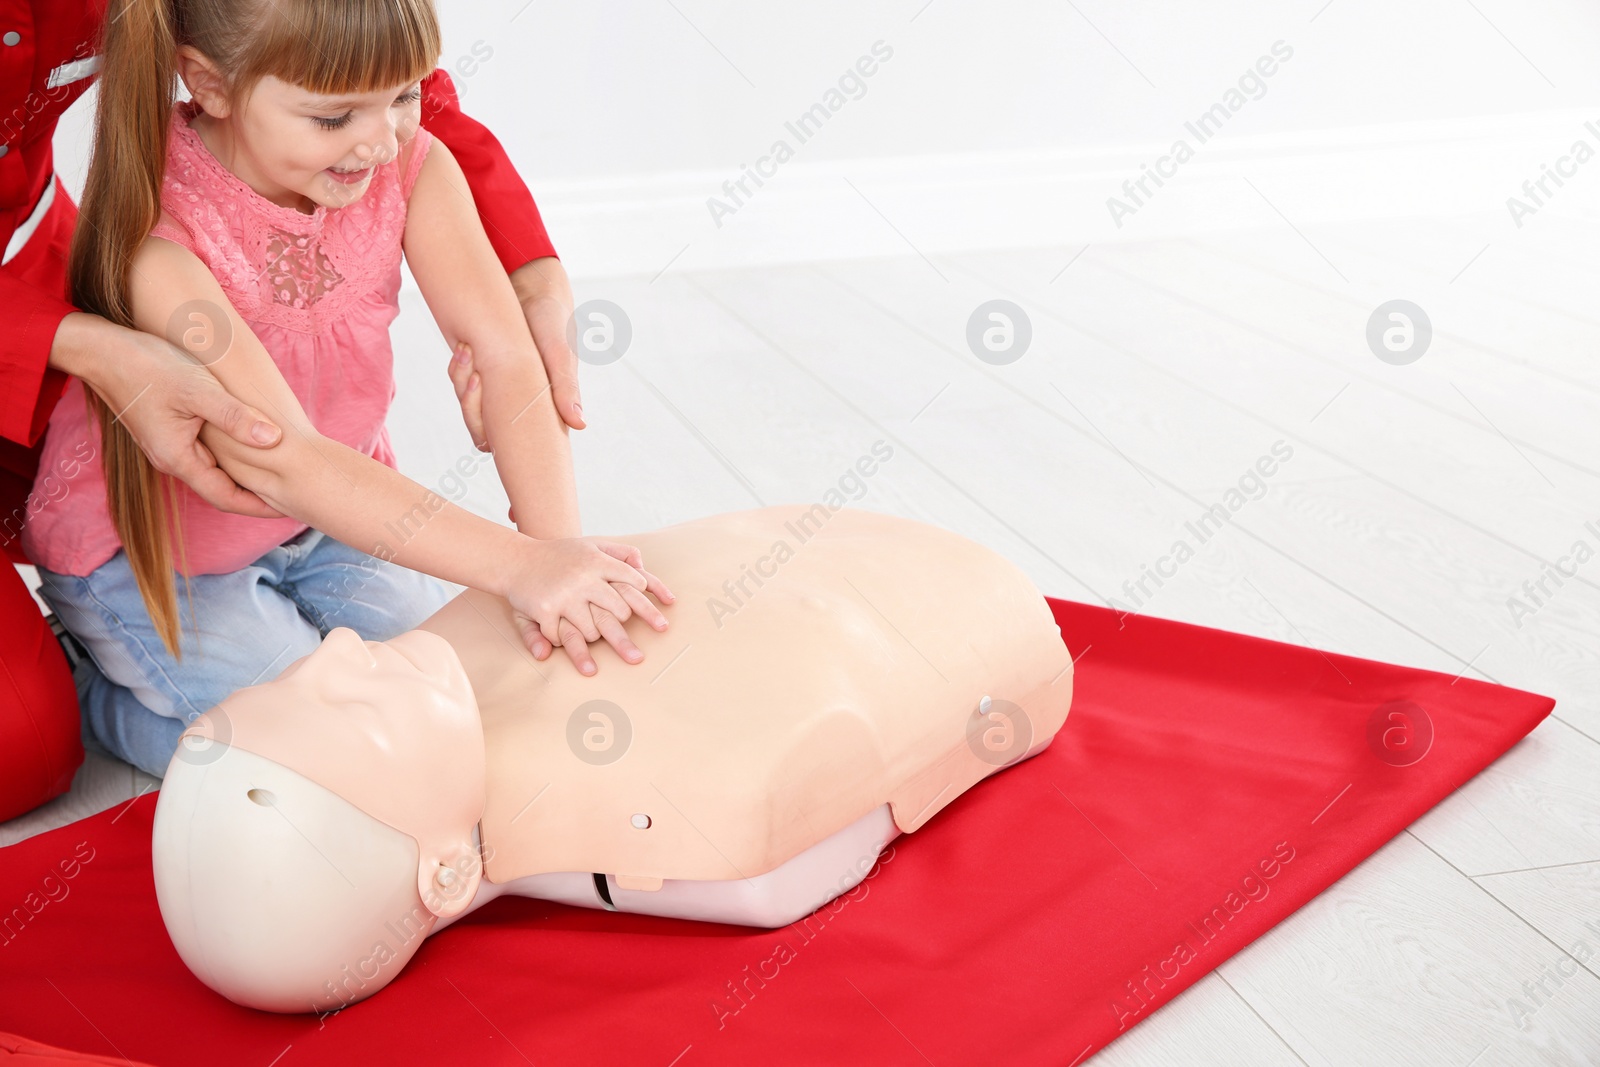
(1003, 123)
(1011, 122)
(609, 89)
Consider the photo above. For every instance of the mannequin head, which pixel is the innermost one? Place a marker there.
(312, 830)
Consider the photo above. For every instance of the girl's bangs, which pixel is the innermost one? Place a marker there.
(352, 46)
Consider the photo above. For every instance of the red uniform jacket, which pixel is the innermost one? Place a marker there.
(48, 57)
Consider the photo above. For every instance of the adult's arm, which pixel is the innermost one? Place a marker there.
(163, 395)
(29, 385)
(517, 234)
(510, 217)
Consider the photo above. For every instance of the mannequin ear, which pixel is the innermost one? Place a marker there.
(204, 81)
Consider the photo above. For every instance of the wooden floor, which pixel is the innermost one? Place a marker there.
(1419, 499)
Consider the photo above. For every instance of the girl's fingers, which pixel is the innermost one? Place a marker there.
(659, 588)
(617, 637)
(617, 550)
(628, 554)
(631, 555)
(531, 636)
(611, 601)
(563, 634)
(642, 607)
(541, 647)
(578, 648)
(552, 631)
(614, 570)
(580, 618)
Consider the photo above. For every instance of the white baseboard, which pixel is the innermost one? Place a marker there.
(813, 211)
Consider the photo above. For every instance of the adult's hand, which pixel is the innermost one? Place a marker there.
(164, 396)
(546, 297)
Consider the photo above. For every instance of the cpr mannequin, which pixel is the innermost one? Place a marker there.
(829, 679)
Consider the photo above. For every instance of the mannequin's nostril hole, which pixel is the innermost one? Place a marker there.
(263, 797)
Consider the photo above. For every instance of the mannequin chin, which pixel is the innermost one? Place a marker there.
(829, 680)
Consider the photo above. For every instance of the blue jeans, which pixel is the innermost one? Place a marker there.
(238, 629)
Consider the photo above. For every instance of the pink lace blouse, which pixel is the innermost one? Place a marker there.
(318, 290)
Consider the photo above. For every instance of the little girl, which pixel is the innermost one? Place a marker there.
(260, 226)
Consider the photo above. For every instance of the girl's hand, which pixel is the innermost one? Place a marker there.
(572, 591)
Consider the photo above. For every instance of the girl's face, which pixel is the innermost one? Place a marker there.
(300, 149)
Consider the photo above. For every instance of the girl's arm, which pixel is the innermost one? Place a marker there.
(472, 300)
(364, 503)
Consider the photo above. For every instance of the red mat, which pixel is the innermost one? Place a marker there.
(1205, 786)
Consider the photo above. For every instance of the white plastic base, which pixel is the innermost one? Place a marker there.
(783, 895)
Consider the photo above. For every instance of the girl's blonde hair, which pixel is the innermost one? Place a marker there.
(328, 47)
